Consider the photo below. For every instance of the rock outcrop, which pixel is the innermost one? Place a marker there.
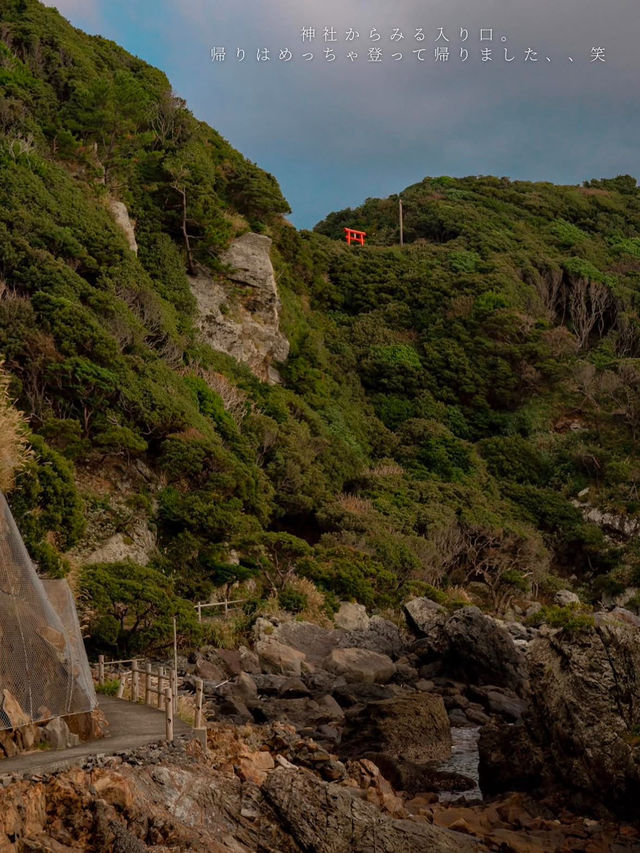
(325, 818)
(582, 726)
(241, 317)
(123, 221)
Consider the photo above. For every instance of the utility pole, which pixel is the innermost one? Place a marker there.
(401, 221)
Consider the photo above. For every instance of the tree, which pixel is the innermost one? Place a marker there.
(130, 608)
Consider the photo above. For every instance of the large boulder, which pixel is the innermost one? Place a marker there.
(414, 727)
(586, 709)
(330, 818)
(422, 613)
(581, 727)
(483, 652)
(277, 658)
(314, 642)
(360, 665)
(351, 617)
(381, 636)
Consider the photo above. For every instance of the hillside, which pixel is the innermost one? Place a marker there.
(459, 413)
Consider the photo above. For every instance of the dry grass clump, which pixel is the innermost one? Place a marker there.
(355, 504)
(14, 449)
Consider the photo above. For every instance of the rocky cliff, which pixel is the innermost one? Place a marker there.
(241, 315)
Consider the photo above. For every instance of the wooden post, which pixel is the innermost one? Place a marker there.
(174, 686)
(199, 698)
(226, 606)
(120, 691)
(135, 681)
(147, 684)
(199, 608)
(101, 669)
(168, 704)
(160, 683)
(401, 221)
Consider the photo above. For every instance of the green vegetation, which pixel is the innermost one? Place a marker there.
(442, 408)
(571, 618)
(109, 688)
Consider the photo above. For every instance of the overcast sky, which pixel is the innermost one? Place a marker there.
(337, 132)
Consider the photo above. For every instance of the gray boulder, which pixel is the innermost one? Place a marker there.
(565, 597)
(360, 665)
(352, 617)
(482, 652)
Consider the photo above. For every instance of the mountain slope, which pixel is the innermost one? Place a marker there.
(441, 409)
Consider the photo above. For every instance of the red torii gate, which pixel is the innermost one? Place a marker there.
(354, 236)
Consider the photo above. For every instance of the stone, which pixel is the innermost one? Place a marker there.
(255, 766)
(293, 688)
(249, 661)
(111, 788)
(277, 658)
(360, 665)
(483, 652)
(422, 613)
(578, 729)
(414, 727)
(56, 734)
(351, 617)
(312, 640)
(246, 687)
(209, 671)
(458, 719)
(565, 597)
(381, 636)
(231, 660)
(12, 710)
(329, 818)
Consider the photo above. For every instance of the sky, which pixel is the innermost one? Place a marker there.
(542, 105)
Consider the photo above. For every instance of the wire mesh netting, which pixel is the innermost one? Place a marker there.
(44, 672)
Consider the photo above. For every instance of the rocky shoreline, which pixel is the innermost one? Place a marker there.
(452, 732)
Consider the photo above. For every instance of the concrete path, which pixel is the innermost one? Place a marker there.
(130, 726)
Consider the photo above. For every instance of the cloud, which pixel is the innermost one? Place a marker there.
(83, 13)
(334, 134)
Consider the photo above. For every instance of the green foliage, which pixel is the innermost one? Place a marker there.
(442, 403)
(109, 688)
(131, 609)
(292, 600)
(574, 618)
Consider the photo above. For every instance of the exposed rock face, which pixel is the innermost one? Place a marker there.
(582, 725)
(139, 545)
(586, 707)
(326, 818)
(121, 216)
(244, 324)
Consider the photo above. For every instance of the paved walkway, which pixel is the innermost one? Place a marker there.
(130, 726)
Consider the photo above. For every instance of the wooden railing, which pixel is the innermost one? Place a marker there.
(200, 606)
(158, 688)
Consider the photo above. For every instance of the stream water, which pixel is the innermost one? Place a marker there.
(464, 760)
